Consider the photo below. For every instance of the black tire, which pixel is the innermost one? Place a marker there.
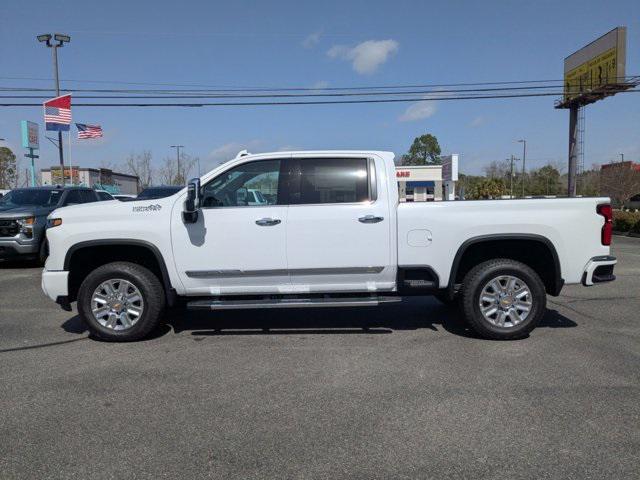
(473, 284)
(43, 252)
(144, 280)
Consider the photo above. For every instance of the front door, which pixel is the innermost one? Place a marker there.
(238, 244)
(339, 225)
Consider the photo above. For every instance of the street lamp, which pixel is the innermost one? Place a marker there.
(61, 39)
(524, 160)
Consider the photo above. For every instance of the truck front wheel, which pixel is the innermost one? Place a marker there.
(503, 299)
(121, 301)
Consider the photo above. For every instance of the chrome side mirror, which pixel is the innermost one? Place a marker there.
(192, 203)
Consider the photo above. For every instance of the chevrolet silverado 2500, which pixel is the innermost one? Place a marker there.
(331, 233)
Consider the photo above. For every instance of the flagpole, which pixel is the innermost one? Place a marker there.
(70, 163)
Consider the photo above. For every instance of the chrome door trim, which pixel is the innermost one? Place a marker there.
(281, 272)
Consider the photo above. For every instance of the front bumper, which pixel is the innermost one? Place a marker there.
(55, 284)
(11, 247)
(599, 270)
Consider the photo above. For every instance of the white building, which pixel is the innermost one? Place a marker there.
(100, 178)
(428, 183)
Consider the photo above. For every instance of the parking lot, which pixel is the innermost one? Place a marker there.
(402, 391)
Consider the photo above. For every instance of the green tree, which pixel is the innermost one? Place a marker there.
(8, 168)
(543, 181)
(488, 188)
(424, 150)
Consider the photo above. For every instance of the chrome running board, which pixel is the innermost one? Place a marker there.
(290, 303)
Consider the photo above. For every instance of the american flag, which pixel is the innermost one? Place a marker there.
(57, 113)
(88, 131)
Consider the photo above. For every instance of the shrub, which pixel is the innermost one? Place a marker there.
(624, 221)
(636, 228)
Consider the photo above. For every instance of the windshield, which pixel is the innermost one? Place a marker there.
(151, 193)
(27, 197)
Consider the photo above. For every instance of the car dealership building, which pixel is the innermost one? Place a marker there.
(428, 183)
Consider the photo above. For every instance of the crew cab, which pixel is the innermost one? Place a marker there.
(331, 233)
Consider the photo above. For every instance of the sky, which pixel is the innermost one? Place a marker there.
(319, 44)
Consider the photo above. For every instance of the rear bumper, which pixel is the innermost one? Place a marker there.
(55, 284)
(599, 270)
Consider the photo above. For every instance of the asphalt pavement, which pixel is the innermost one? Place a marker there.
(402, 391)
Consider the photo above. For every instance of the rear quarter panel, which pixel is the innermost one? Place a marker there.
(571, 225)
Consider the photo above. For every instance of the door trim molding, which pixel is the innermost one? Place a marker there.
(281, 272)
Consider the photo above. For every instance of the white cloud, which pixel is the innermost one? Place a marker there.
(320, 85)
(228, 151)
(478, 121)
(367, 56)
(312, 40)
(419, 111)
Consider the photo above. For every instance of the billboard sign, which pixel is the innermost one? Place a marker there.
(29, 134)
(600, 64)
(450, 168)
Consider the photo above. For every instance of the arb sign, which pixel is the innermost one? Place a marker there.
(29, 134)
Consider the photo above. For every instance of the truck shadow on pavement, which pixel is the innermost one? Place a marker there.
(412, 314)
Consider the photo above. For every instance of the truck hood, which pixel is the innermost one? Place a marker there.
(114, 208)
(25, 211)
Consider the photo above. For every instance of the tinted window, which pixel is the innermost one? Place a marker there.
(79, 196)
(250, 184)
(23, 197)
(157, 192)
(104, 196)
(329, 180)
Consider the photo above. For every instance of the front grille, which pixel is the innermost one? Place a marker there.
(9, 228)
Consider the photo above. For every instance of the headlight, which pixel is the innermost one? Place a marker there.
(54, 222)
(26, 225)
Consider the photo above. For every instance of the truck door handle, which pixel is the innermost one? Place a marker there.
(370, 219)
(267, 222)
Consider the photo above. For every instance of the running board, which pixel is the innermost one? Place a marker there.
(290, 303)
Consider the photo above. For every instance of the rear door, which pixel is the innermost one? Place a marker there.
(338, 229)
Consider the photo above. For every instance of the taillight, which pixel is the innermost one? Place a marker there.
(605, 210)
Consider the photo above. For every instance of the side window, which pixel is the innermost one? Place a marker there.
(103, 196)
(249, 184)
(329, 180)
(88, 196)
(73, 197)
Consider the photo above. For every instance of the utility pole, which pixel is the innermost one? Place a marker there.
(178, 147)
(61, 39)
(511, 178)
(524, 160)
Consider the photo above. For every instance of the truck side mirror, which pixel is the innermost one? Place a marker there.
(192, 203)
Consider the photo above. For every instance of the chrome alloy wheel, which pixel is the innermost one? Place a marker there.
(505, 301)
(117, 304)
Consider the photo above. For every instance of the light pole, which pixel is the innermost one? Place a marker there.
(513, 159)
(621, 157)
(61, 39)
(524, 160)
(178, 147)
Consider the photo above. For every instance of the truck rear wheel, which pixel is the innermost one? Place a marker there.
(503, 299)
(121, 301)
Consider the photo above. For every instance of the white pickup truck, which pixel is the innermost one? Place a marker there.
(331, 233)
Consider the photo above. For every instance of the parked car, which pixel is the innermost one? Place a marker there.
(333, 235)
(123, 196)
(3, 193)
(104, 196)
(23, 217)
(152, 193)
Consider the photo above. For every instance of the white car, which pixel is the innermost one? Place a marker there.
(3, 192)
(332, 233)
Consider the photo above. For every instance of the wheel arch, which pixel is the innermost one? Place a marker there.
(485, 247)
(83, 257)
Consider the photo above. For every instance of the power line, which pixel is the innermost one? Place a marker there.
(306, 102)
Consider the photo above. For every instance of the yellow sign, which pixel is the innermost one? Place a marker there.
(593, 74)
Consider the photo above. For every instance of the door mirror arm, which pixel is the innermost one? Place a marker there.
(192, 203)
